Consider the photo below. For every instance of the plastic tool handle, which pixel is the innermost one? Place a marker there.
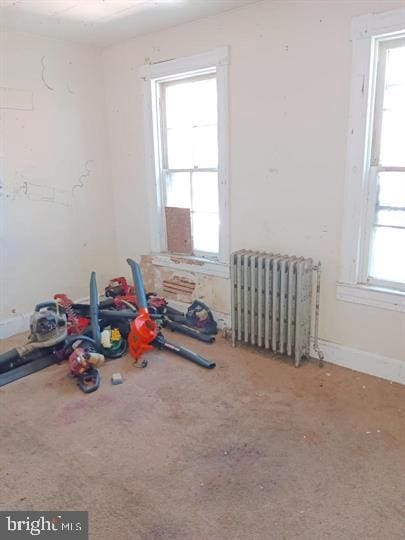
(124, 314)
(71, 340)
(185, 353)
(7, 358)
(95, 327)
(138, 283)
(89, 381)
(48, 304)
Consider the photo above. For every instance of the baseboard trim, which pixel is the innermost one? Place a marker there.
(21, 323)
(390, 369)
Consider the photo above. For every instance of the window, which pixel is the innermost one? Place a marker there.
(385, 262)
(186, 129)
(189, 142)
(373, 269)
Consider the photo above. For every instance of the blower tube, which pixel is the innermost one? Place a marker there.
(185, 353)
(95, 327)
(138, 282)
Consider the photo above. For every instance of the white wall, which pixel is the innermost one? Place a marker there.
(289, 98)
(52, 233)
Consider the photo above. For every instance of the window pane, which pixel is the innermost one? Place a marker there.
(205, 229)
(191, 123)
(205, 147)
(393, 119)
(205, 102)
(178, 190)
(192, 102)
(391, 189)
(392, 218)
(179, 105)
(179, 149)
(388, 254)
(205, 192)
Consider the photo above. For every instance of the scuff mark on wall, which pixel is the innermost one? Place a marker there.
(271, 172)
(46, 84)
(42, 193)
(39, 192)
(16, 99)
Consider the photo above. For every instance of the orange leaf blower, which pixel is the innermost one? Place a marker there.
(145, 333)
(143, 329)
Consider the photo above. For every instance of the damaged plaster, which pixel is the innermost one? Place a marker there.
(184, 287)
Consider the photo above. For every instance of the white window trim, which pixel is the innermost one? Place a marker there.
(365, 31)
(151, 74)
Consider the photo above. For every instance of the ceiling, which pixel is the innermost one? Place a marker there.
(103, 22)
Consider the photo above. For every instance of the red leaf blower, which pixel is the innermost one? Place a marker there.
(145, 333)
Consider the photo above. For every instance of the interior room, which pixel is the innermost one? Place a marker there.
(202, 269)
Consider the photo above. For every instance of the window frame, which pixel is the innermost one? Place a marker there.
(171, 70)
(354, 284)
(373, 166)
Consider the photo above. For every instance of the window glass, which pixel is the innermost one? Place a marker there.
(391, 189)
(393, 114)
(205, 192)
(205, 232)
(179, 149)
(178, 190)
(388, 255)
(388, 238)
(205, 147)
(191, 123)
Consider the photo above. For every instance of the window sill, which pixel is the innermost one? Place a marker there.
(371, 296)
(189, 263)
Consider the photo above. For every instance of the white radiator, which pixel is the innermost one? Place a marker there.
(272, 302)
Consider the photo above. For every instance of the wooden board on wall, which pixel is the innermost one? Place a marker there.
(178, 228)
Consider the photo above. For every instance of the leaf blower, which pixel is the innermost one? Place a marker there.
(145, 333)
(48, 329)
(83, 364)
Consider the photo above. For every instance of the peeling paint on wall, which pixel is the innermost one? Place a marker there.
(184, 260)
(50, 190)
(42, 193)
(39, 192)
(178, 285)
(181, 286)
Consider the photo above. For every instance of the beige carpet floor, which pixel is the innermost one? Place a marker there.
(253, 450)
